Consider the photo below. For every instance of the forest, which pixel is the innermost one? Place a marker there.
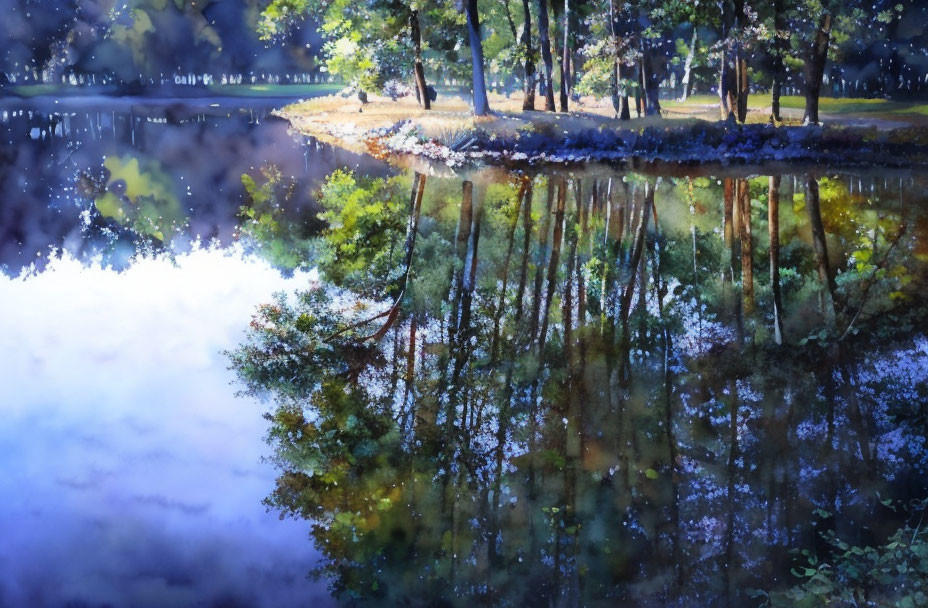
(635, 52)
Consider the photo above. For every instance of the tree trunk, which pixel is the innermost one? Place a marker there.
(619, 95)
(541, 256)
(773, 227)
(815, 69)
(742, 80)
(528, 103)
(619, 98)
(628, 292)
(412, 229)
(747, 247)
(819, 243)
(727, 78)
(741, 67)
(688, 67)
(545, 41)
(649, 83)
(565, 59)
(419, 70)
(498, 314)
(777, 62)
(481, 103)
(556, 240)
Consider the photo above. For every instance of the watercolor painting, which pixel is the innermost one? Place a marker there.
(551, 303)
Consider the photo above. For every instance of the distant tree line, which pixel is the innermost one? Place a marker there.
(148, 42)
(634, 51)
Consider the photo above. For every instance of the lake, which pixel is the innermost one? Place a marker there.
(242, 368)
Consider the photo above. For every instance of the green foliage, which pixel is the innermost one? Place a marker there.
(140, 195)
(263, 220)
(892, 574)
(366, 224)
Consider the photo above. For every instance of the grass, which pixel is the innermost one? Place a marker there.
(242, 90)
(57, 90)
(345, 122)
(275, 90)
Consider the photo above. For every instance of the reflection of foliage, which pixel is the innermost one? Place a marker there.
(139, 194)
(367, 219)
(569, 405)
(282, 241)
(891, 574)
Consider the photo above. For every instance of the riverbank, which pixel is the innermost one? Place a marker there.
(854, 133)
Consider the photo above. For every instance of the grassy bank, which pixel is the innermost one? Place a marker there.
(689, 132)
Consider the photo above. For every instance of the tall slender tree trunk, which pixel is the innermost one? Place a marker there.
(540, 256)
(688, 68)
(777, 61)
(815, 69)
(747, 247)
(545, 41)
(419, 69)
(728, 206)
(529, 85)
(649, 82)
(773, 228)
(556, 240)
(619, 95)
(727, 78)
(741, 66)
(565, 60)
(819, 243)
(481, 103)
(412, 229)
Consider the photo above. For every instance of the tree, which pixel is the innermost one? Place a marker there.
(544, 39)
(529, 52)
(481, 104)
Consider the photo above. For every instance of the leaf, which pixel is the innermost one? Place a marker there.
(651, 474)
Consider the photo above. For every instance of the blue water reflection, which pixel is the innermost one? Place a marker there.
(132, 474)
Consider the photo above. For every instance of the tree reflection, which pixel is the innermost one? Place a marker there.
(543, 391)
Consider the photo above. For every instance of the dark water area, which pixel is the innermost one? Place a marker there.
(606, 389)
(588, 388)
(182, 159)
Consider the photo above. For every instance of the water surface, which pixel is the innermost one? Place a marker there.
(558, 388)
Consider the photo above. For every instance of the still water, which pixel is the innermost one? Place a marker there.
(567, 388)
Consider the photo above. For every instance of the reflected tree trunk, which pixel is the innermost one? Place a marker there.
(747, 247)
(398, 290)
(541, 256)
(501, 303)
(773, 228)
(819, 244)
(556, 241)
(629, 291)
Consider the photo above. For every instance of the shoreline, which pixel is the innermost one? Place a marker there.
(402, 133)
